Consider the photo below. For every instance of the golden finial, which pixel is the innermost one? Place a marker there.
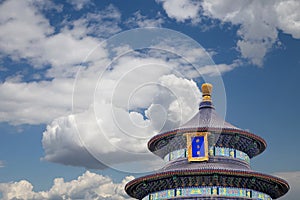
(206, 91)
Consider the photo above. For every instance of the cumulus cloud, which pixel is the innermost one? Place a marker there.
(293, 178)
(87, 186)
(288, 17)
(181, 10)
(257, 21)
(115, 130)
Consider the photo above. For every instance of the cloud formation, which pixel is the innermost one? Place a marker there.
(87, 186)
(140, 94)
(257, 22)
(102, 99)
(116, 131)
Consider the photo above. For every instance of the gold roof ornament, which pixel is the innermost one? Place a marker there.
(206, 91)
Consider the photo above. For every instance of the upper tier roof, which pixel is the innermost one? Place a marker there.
(207, 119)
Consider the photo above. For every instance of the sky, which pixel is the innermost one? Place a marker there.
(85, 84)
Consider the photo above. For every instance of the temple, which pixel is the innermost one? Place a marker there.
(207, 158)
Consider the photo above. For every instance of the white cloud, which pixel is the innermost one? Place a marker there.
(22, 29)
(100, 24)
(87, 186)
(62, 50)
(27, 34)
(257, 30)
(215, 70)
(289, 17)
(181, 10)
(257, 21)
(293, 178)
(36, 102)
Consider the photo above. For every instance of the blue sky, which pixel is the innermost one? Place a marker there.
(84, 84)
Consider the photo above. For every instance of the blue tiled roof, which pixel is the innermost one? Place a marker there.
(207, 117)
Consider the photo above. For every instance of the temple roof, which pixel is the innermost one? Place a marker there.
(273, 186)
(207, 117)
(216, 171)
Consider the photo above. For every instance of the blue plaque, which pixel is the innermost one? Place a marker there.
(197, 146)
(198, 149)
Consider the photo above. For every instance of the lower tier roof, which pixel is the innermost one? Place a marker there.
(141, 187)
